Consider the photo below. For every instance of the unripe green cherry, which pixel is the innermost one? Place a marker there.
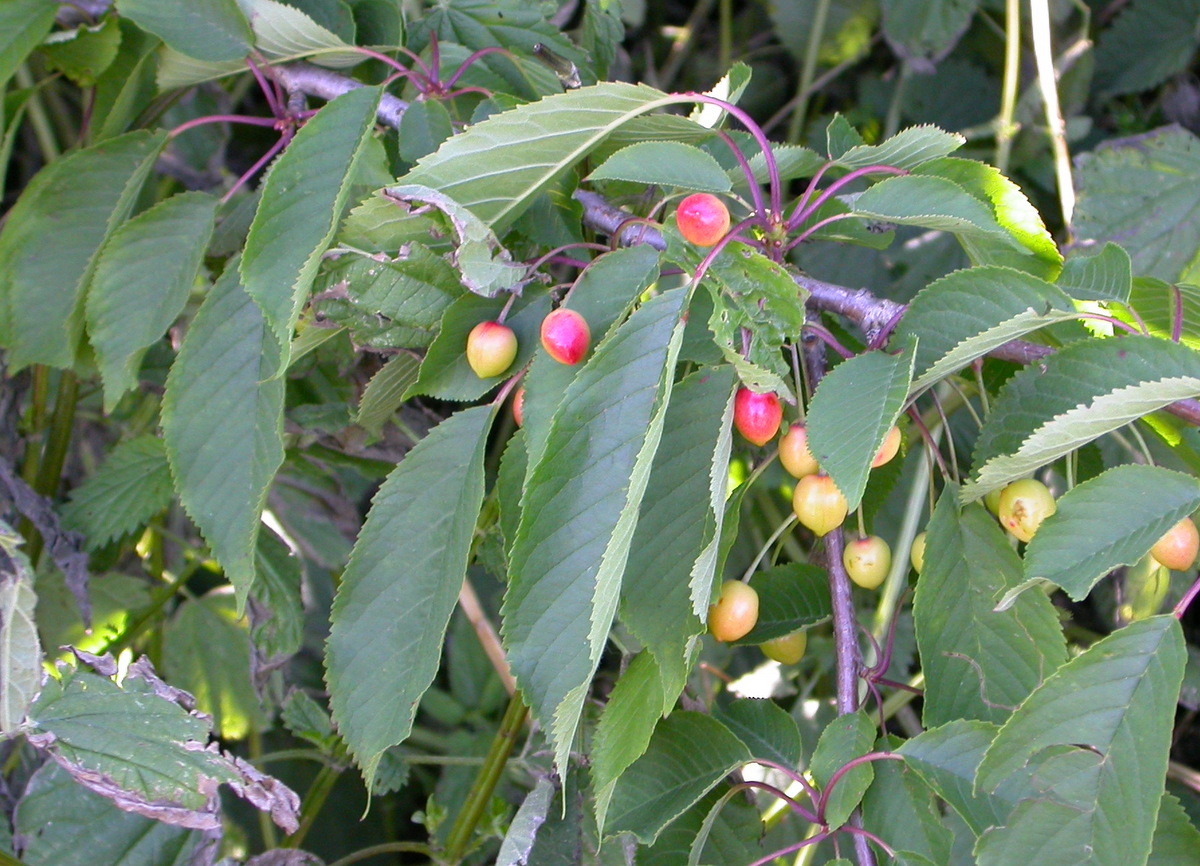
(867, 560)
(491, 349)
(1178, 547)
(735, 612)
(786, 650)
(702, 219)
(1024, 505)
(794, 454)
(818, 504)
(916, 554)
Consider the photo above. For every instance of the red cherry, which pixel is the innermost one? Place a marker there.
(757, 416)
(702, 219)
(566, 336)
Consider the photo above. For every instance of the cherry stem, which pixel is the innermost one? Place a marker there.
(828, 339)
(804, 208)
(1116, 323)
(223, 118)
(820, 224)
(269, 89)
(396, 64)
(583, 245)
(263, 160)
(811, 840)
(780, 794)
(798, 778)
(767, 545)
(1187, 599)
(763, 143)
(846, 768)
(462, 67)
(507, 306)
(755, 191)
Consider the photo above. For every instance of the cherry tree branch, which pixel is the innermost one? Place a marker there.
(872, 314)
(327, 84)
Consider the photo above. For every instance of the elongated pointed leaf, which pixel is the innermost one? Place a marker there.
(141, 284)
(1080, 542)
(20, 649)
(1175, 838)
(630, 716)
(766, 729)
(689, 753)
(851, 412)
(64, 824)
(204, 29)
(665, 163)
(678, 523)
(384, 394)
(580, 511)
(847, 737)
(900, 807)
(399, 589)
(41, 294)
(1104, 276)
(906, 149)
(526, 148)
(979, 663)
(23, 23)
(1114, 706)
(1081, 392)
(967, 313)
(301, 203)
(223, 424)
(132, 485)
(932, 202)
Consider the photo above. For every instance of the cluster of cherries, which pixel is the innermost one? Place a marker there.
(1022, 506)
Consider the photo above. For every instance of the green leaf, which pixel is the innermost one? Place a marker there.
(136, 745)
(1106, 275)
(1158, 303)
(1080, 542)
(766, 729)
(523, 831)
(849, 27)
(132, 485)
(385, 392)
(920, 31)
(1144, 193)
(580, 511)
(1112, 707)
(847, 737)
(222, 422)
(688, 755)
(528, 147)
(931, 202)
(664, 163)
(206, 650)
(23, 25)
(1034, 251)
(423, 127)
(853, 409)
(906, 149)
(970, 312)
(514, 465)
(301, 203)
(1079, 393)
(626, 725)
(142, 280)
(127, 86)
(1147, 43)
(979, 663)
(900, 807)
(671, 559)
(84, 53)
(399, 589)
(276, 608)
(791, 160)
(207, 29)
(790, 597)
(20, 651)
(64, 824)
(1176, 838)
(41, 296)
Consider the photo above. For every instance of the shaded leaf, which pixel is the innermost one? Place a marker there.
(523, 831)
(20, 651)
(301, 203)
(41, 296)
(688, 755)
(142, 281)
(1176, 838)
(1079, 393)
(626, 725)
(920, 31)
(766, 729)
(1103, 276)
(579, 514)
(24, 24)
(664, 163)
(791, 596)
(385, 392)
(847, 737)
(276, 608)
(979, 663)
(62, 823)
(84, 53)
(131, 486)
(1147, 43)
(900, 808)
(850, 414)
(1144, 193)
(400, 586)
(222, 423)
